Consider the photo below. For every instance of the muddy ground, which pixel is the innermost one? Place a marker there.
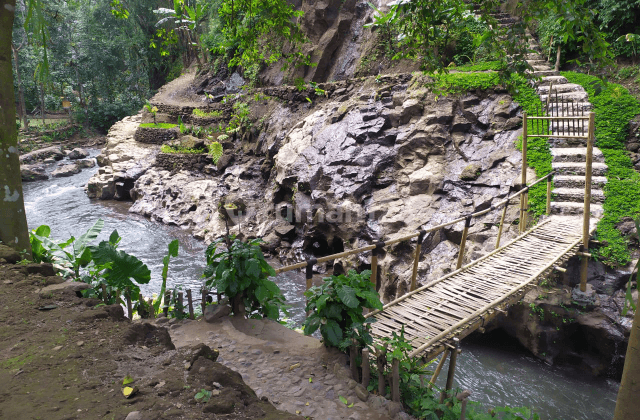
(65, 357)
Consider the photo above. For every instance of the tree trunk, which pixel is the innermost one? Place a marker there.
(42, 103)
(628, 403)
(22, 111)
(13, 221)
(558, 53)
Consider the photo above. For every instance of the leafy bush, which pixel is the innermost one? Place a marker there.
(239, 118)
(614, 108)
(102, 114)
(241, 273)
(336, 308)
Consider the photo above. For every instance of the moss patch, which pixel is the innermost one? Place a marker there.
(614, 108)
(158, 125)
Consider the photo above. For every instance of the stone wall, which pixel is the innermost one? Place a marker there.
(176, 162)
(155, 135)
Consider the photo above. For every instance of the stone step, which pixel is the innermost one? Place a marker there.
(542, 73)
(576, 195)
(534, 56)
(575, 154)
(577, 181)
(571, 108)
(573, 208)
(560, 88)
(557, 80)
(537, 62)
(541, 67)
(580, 96)
(578, 168)
(563, 142)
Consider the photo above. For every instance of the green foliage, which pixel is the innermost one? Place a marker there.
(258, 32)
(158, 125)
(206, 114)
(336, 308)
(153, 110)
(104, 113)
(180, 150)
(614, 108)
(240, 118)
(242, 271)
(215, 151)
(485, 66)
(203, 395)
(172, 252)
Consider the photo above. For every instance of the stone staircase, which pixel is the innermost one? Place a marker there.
(569, 155)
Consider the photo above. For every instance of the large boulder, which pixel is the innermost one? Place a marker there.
(10, 255)
(77, 153)
(66, 170)
(32, 173)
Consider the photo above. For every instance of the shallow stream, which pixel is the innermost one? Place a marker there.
(494, 367)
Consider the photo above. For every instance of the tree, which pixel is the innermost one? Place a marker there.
(13, 220)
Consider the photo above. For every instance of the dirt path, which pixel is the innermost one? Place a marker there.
(294, 372)
(64, 357)
(179, 92)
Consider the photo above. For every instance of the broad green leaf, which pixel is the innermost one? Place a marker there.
(372, 298)
(114, 238)
(86, 238)
(311, 324)
(348, 296)
(344, 400)
(322, 302)
(332, 332)
(123, 266)
(173, 248)
(43, 230)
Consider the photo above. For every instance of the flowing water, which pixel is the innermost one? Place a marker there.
(494, 367)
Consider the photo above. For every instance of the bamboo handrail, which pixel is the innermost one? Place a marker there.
(304, 264)
(558, 118)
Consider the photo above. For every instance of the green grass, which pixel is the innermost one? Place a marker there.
(614, 108)
(180, 150)
(486, 66)
(204, 114)
(538, 153)
(158, 125)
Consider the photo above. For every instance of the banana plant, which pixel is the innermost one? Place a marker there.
(173, 252)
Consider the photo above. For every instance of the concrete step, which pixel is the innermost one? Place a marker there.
(575, 154)
(560, 88)
(537, 62)
(577, 181)
(534, 56)
(573, 208)
(580, 96)
(576, 195)
(557, 80)
(578, 168)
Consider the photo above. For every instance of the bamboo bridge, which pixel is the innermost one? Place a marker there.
(453, 306)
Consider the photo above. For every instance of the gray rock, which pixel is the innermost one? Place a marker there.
(134, 415)
(213, 313)
(40, 154)
(86, 163)
(471, 172)
(77, 153)
(66, 170)
(394, 408)
(32, 173)
(285, 230)
(10, 255)
(361, 392)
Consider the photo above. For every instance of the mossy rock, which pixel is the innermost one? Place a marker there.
(471, 172)
(150, 135)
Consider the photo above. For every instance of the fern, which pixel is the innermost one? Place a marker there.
(215, 151)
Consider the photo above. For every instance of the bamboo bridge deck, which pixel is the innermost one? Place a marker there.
(462, 301)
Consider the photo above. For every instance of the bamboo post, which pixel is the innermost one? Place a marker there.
(152, 311)
(353, 364)
(380, 361)
(436, 373)
(366, 368)
(523, 179)
(587, 204)
(525, 212)
(549, 181)
(452, 369)
(203, 303)
(463, 242)
(309, 272)
(180, 302)
(395, 382)
(416, 261)
(190, 303)
(167, 299)
(127, 296)
(105, 296)
(504, 215)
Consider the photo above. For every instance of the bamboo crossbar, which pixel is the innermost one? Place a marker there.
(585, 118)
(304, 264)
(558, 136)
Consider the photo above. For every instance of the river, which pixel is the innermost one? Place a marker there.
(494, 367)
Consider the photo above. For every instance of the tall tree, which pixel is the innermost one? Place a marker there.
(13, 220)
